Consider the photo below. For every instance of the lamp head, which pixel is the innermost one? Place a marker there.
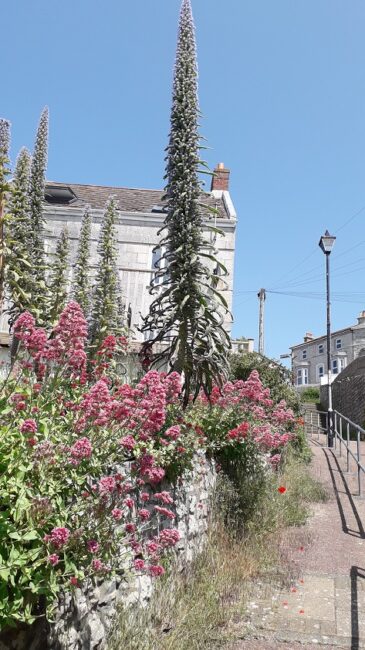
(326, 242)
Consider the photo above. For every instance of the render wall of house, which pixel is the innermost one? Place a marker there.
(137, 235)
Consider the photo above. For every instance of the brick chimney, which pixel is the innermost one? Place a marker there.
(220, 180)
(308, 337)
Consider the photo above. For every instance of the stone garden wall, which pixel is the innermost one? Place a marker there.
(348, 392)
(83, 620)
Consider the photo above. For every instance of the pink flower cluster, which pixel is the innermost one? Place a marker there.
(58, 537)
(67, 344)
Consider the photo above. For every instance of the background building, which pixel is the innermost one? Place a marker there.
(309, 359)
(141, 216)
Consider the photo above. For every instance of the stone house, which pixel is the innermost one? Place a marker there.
(141, 215)
(309, 359)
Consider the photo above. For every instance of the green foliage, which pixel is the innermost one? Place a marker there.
(58, 277)
(81, 281)
(187, 313)
(36, 195)
(272, 374)
(106, 313)
(310, 394)
(4, 155)
(4, 188)
(19, 279)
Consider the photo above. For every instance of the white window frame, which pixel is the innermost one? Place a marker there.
(319, 374)
(338, 344)
(304, 354)
(321, 348)
(335, 364)
(342, 363)
(302, 376)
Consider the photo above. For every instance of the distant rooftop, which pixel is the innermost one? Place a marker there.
(128, 199)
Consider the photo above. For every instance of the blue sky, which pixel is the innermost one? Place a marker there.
(282, 91)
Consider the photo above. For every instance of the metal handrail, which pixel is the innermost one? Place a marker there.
(317, 427)
(338, 421)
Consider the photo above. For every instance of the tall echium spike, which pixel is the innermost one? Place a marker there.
(58, 288)
(19, 278)
(106, 317)
(187, 313)
(36, 193)
(81, 279)
(4, 187)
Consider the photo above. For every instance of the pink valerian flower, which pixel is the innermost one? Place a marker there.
(165, 497)
(81, 449)
(74, 581)
(128, 442)
(93, 546)
(173, 385)
(58, 537)
(130, 528)
(99, 566)
(239, 432)
(148, 469)
(29, 426)
(156, 570)
(53, 559)
(117, 514)
(107, 484)
(97, 403)
(24, 325)
(129, 503)
(145, 496)
(275, 460)
(152, 547)
(139, 565)
(169, 537)
(165, 512)
(173, 432)
(282, 414)
(107, 346)
(144, 514)
(135, 546)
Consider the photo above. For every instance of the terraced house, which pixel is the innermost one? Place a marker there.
(309, 359)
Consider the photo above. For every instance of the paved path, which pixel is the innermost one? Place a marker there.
(324, 606)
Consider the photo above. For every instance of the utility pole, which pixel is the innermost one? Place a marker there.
(262, 297)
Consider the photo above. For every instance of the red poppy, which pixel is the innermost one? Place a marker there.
(301, 611)
(282, 489)
(74, 581)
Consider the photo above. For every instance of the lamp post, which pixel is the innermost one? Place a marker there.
(326, 243)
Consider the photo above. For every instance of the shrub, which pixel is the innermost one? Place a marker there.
(310, 394)
(80, 464)
(272, 374)
(82, 456)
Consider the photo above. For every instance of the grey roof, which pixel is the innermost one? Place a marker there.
(128, 199)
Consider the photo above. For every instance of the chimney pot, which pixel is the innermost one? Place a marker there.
(220, 179)
(308, 337)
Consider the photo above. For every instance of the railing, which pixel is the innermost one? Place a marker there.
(342, 426)
(344, 432)
(314, 420)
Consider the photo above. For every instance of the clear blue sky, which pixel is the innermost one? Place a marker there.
(282, 91)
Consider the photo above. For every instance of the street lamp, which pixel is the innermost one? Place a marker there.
(326, 243)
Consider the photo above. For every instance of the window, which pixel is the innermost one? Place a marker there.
(157, 265)
(320, 371)
(335, 366)
(338, 344)
(302, 376)
(304, 354)
(320, 348)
